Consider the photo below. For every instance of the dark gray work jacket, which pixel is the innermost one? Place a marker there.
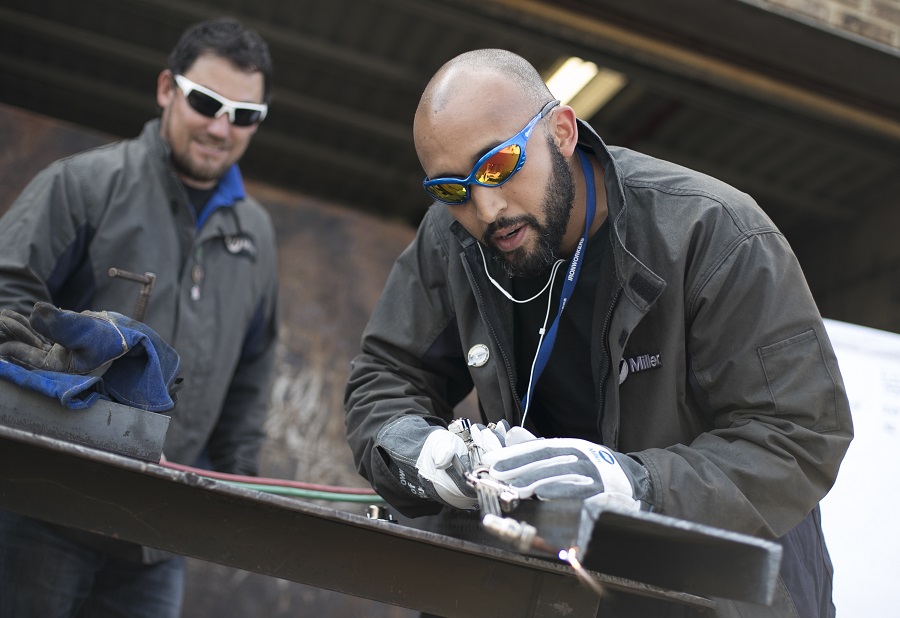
(214, 299)
(742, 422)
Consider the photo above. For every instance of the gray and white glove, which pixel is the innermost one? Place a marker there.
(557, 468)
(493, 436)
(421, 458)
(497, 435)
(435, 465)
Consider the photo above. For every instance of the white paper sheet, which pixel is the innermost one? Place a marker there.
(859, 515)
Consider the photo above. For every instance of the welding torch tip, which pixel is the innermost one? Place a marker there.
(519, 534)
(541, 544)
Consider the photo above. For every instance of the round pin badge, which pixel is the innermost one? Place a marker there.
(478, 355)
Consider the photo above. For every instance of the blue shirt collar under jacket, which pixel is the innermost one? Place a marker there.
(229, 190)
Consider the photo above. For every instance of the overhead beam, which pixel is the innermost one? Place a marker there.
(591, 33)
(153, 61)
(775, 38)
(77, 40)
(290, 41)
(352, 117)
(61, 86)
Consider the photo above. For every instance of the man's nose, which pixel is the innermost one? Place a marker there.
(488, 201)
(219, 126)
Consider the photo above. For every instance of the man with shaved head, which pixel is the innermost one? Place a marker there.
(644, 329)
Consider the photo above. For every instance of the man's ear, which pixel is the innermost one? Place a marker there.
(564, 129)
(165, 88)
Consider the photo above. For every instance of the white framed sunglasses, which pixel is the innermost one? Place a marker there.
(212, 105)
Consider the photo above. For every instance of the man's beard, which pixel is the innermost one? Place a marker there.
(184, 166)
(557, 206)
(187, 168)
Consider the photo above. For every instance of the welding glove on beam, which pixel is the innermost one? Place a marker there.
(22, 344)
(63, 354)
(559, 468)
(420, 456)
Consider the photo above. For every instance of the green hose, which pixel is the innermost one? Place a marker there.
(310, 493)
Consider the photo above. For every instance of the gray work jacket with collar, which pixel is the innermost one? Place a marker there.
(742, 421)
(215, 295)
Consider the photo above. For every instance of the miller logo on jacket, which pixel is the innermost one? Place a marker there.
(639, 363)
(240, 244)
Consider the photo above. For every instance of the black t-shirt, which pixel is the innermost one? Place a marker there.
(564, 402)
(198, 198)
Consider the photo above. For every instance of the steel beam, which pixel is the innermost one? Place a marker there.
(184, 513)
(106, 425)
(95, 470)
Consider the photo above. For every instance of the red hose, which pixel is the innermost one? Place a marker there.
(237, 478)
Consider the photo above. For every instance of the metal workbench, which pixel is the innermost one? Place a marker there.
(57, 479)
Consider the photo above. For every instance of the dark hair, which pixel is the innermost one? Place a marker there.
(228, 39)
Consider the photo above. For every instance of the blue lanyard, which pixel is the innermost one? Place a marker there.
(546, 344)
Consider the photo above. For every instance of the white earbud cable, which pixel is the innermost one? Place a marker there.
(543, 329)
(507, 294)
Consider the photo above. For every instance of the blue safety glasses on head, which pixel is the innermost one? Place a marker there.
(491, 170)
(211, 104)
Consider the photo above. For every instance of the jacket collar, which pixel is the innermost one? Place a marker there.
(640, 284)
(227, 193)
(154, 142)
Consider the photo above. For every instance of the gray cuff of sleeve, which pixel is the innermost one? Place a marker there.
(640, 480)
(403, 437)
(400, 443)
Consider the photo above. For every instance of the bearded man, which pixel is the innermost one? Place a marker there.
(644, 329)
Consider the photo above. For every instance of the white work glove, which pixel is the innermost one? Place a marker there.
(421, 456)
(498, 435)
(558, 468)
(435, 464)
(435, 461)
(517, 435)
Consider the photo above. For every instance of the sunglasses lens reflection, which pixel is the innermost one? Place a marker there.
(245, 117)
(500, 166)
(203, 104)
(452, 193)
(496, 170)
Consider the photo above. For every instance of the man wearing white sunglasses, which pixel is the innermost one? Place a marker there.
(172, 203)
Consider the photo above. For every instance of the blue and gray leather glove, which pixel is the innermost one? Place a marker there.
(558, 468)
(77, 357)
(20, 343)
(420, 456)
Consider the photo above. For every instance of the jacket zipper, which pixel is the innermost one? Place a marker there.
(509, 372)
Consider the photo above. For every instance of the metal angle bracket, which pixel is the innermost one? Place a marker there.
(687, 556)
(106, 425)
